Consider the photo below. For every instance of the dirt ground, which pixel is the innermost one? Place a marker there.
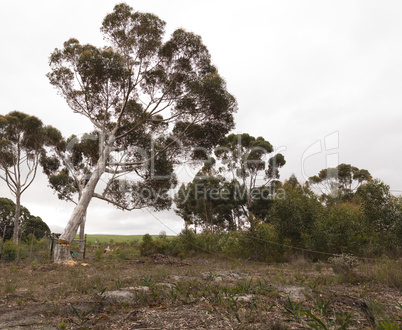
(160, 292)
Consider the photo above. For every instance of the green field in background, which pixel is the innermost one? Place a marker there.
(116, 238)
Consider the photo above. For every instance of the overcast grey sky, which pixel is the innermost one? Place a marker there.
(320, 80)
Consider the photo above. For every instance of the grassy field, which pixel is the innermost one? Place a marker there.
(111, 238)
(100, 238)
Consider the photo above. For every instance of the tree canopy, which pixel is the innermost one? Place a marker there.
(341, 182)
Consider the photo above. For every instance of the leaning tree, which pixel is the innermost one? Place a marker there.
(149, 100)
(69, 168)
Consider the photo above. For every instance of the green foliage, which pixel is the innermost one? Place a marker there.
(151, 246)
(34, 226)
(142, 91)
(382, 215)
(245, 158)
(294, 216)
(63, 325)
(340, 229)
(369, 224)
(210, 202)
(27, 222)
(213, 201)
(81, 316)
(23, 141)
(98, 254)
(9, 251)
(338, 184)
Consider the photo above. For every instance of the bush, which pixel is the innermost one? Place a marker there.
(339, 230)
(151, 246)
(343, 263)
(9, 251)
(98, 254)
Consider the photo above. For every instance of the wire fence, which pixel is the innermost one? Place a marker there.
(253, 237)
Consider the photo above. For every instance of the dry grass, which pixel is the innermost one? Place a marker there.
(202, 292)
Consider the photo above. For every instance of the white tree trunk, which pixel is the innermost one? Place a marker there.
(80, 209)
(17, 216)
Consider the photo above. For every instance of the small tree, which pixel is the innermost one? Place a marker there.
(149, 101)
(22, 143)
(294, 217)
(382, 214)
(254, 168)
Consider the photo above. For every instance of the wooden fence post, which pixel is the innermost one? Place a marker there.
(85, 247)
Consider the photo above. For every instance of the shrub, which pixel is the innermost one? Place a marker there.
(150, 246)
(98, 254)
(9, 251)
(343, 263)
(341, 229)
(188, 240)
(261, 244)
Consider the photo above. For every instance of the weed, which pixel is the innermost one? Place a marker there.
(63, 325)
(173, 295)
(82, 316)
(318, 266)
(300, 278)
(294, 309)
(14, 269)
(126, 304)
(263, 287)
(100, 295)
(9, 287)
(319, 317)
(98, 255)
(148, 281)
(53, 310)
(77, 272)
(119, 283)
(211, 276)
(244, 286)
(314, 285)
(234, 306)
(300, 262)
(388, 325)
